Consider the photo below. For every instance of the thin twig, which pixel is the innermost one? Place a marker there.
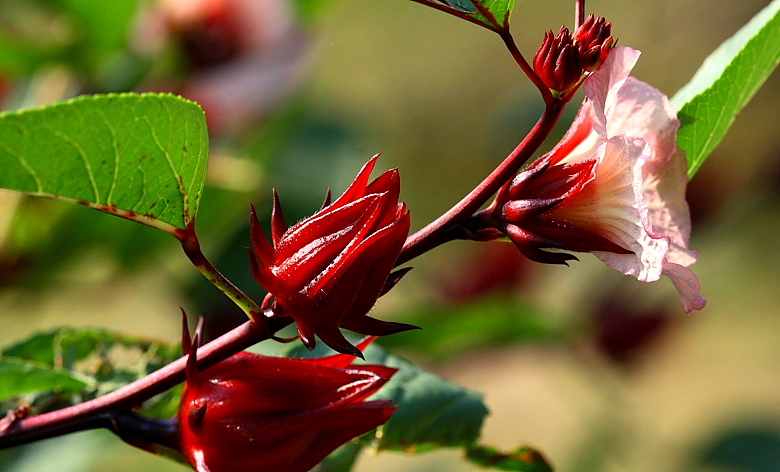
(579, 13)
(509, 41)
(191, 247)
(443, 228)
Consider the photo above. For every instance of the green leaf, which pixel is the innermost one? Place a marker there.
(141, 157)
(340, 460)
(19, 377)
(725, 83)
(523, 459)
(492, 14)
(432, 412)
(103, 360)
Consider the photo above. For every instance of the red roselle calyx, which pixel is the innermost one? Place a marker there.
(561, 60)
(328, 270)
(252, 413)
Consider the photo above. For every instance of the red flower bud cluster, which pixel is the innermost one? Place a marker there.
(561, 60)
(524, 211)
(252, 413)
(328, 270)
(557, 62)
(593, 41)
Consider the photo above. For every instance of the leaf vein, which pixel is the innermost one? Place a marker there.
(26, 165)
(115, 147)
(81, 153)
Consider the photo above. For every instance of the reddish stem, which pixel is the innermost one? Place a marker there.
(579, 13)
(92, 414)
(444, 228)
(509, 41)
(95, 413)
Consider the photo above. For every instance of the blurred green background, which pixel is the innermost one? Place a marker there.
(598, 371)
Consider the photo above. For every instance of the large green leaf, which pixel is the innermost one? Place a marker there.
(492, 14)
(725, 83)
(141, 157)
(20, 377)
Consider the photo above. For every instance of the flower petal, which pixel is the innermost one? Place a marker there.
(687, 284)
(603, 85)
(667, 210)
(640, 109)
(611, 205)
(580, 142)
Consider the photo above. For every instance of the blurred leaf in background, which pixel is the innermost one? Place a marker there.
(79, 364)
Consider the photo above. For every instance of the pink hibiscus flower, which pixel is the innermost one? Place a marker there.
(614, 186)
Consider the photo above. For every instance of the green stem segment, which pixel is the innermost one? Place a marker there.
(191, 247)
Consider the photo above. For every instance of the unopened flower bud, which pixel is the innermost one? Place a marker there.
(252, 413)
(593, 41)
(557, 61)
(328, 270)
(562, 60)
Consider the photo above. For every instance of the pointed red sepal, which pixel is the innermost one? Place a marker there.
(278, 225)
(306, 333)
(571, 237)
(326, 203)
(191, 368)
(374, 327)
(266, 278)
(513, 189)
(343, 360)
(339, 262)
(357, 275)
(358, 187)
(517, 209)
(261, 244)
(336, 341)
(185, 333)
(393, 279)
(530, 246)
